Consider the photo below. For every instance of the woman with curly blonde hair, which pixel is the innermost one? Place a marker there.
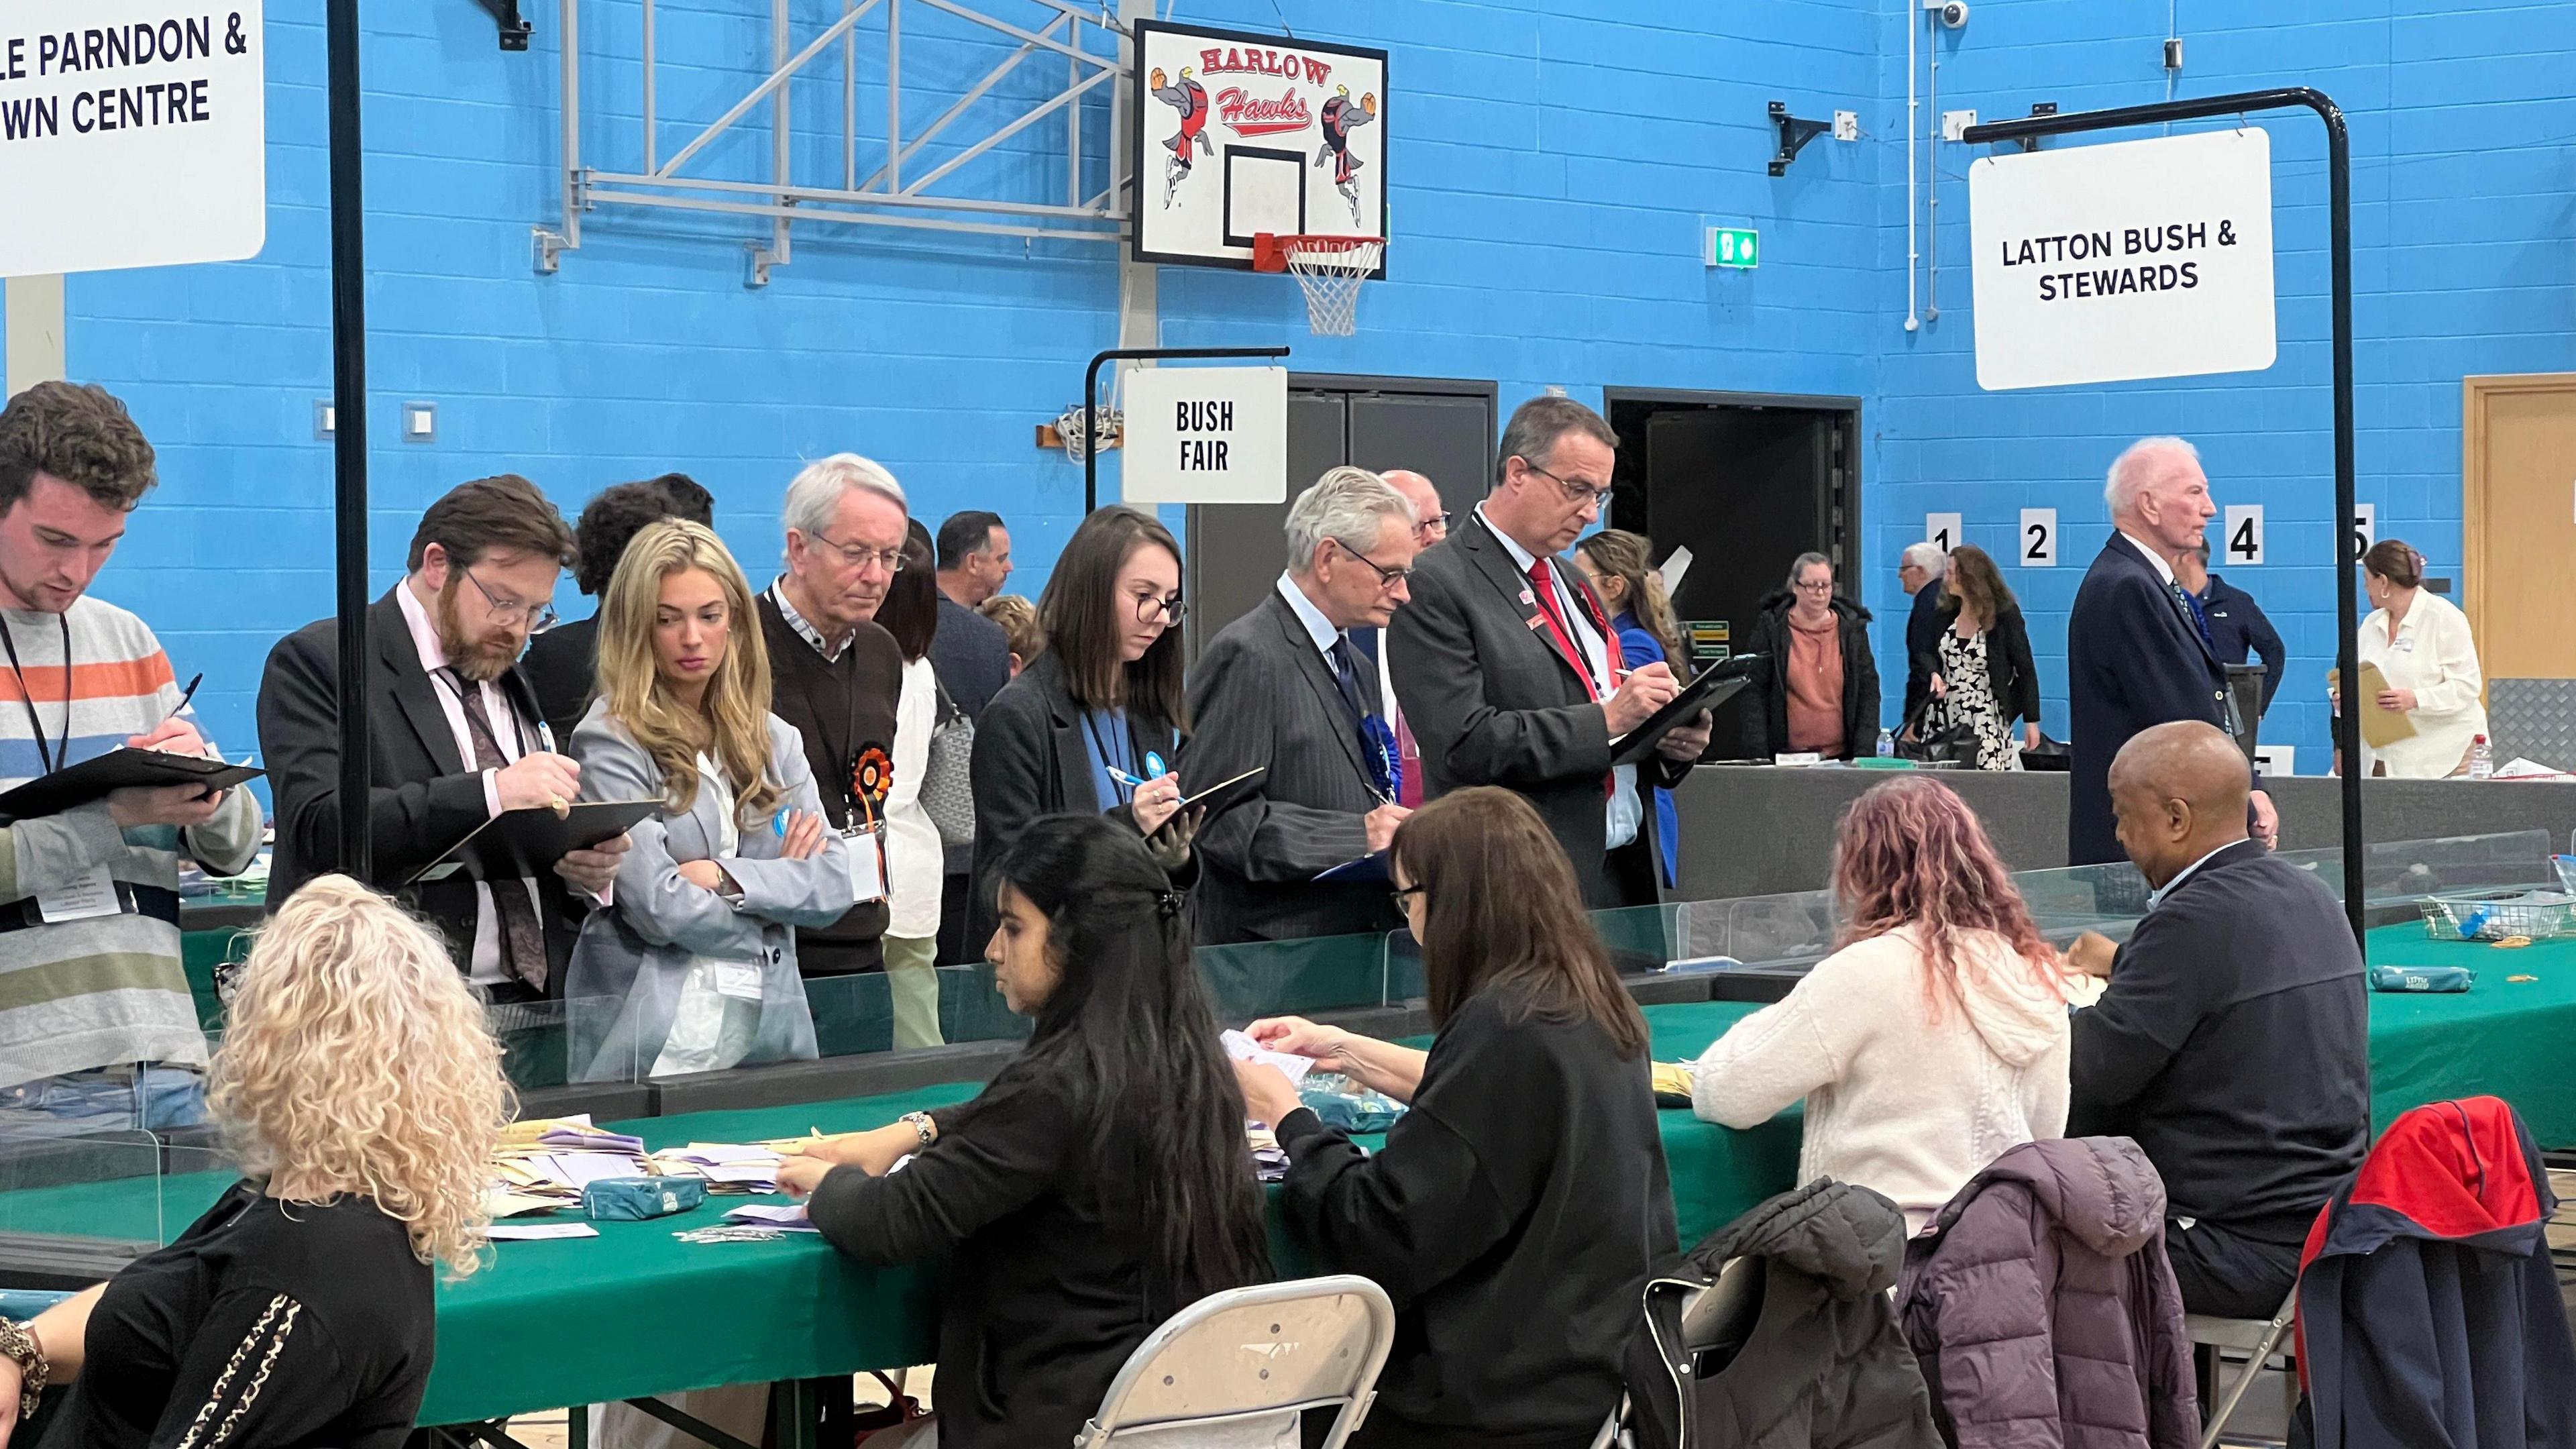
(699, 943)
(362, 1093)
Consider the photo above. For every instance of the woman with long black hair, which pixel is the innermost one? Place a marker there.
(1100, 1183)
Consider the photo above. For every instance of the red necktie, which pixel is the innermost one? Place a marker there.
(1540, 576)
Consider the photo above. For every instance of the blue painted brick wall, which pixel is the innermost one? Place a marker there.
(1560, 160)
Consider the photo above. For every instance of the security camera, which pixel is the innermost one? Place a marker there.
(1954, 14)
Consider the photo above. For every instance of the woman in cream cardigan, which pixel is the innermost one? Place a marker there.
(2422, 645)
(1934, 1039)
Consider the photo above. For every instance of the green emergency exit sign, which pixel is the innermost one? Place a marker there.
(1730, 246)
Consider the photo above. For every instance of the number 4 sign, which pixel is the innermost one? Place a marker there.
(2039, 538)
(2244, 547)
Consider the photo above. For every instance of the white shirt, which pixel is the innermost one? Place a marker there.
(509, 733)
(2164, 565)
(1318, 628)
(914, 860)
(1626, 811)
(2434, 655)
(2156, 897)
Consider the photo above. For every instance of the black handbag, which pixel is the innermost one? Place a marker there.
(1953, 743)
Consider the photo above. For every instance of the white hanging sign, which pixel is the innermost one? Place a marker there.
(2134, 259)
(1941, 530)
(1206, 435)
(2242, 546)
(2039, 538)
(133, 133)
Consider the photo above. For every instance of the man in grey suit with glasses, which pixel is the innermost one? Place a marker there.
(1284, 688)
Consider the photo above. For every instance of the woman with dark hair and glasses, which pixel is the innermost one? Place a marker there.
(1516, 1208)
(1099, 1185)
(1093, 724)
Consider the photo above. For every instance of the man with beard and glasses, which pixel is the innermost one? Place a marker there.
(95, 1018)
(456, 733)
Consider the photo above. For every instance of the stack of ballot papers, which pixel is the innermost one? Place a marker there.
(542, 1164)
(726, 1167)
(786, 1217)
(1244, 1049)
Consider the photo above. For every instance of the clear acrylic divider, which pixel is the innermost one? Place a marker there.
(1790, 929)
(971, 1007)
(2398, 873)
(1254, 979)
(853, 1015)
(551, 1043)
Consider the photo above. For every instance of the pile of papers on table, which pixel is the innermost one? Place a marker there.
(542, 1164)
(726, 1167)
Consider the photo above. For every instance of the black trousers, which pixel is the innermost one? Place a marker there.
(2228, 1275)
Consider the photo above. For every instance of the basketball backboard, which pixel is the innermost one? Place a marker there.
(1240, 134)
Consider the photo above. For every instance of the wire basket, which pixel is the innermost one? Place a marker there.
(1328, 269)
(2536, 915)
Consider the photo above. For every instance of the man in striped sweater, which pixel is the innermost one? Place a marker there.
(95, 1015)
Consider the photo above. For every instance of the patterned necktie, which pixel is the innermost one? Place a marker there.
(523, 939)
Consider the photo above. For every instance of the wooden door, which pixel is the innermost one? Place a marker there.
(2519, 522)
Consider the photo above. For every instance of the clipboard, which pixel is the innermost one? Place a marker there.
(1708, 691)
(517, 843)
(1226, 793)
(119, 769)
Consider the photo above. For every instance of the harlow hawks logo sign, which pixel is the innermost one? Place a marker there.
(1247, 114)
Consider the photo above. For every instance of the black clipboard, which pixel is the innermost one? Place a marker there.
(1225, 793)
(119, 769)
(522, 843)
(1706, 692)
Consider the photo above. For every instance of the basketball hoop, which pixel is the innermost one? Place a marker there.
(1329, 269)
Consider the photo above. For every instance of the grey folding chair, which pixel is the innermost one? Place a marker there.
(2255, 1337)
(1236, 1369)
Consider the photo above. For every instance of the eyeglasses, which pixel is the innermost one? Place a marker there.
(1171, 609)
(1387, 578)
(1574, 492)
(889, 559)
(1422, 526)
(1399, 895)
(1815, 586)
(539, 617)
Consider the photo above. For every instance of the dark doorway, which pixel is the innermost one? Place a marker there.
(1747, 483)
(1440, 428)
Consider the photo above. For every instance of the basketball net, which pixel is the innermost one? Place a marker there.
(1328, 269)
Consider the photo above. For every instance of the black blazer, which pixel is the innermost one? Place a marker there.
(1770, 639)
(2133, 661)
(2238, 630)
(2248, 961)
(1922, 645)
(562, 666)
(421, 799)
(2010, 670)
(1493, 701)
(1263, 695)
(1031, 760)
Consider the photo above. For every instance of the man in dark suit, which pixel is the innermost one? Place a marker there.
(562, 664)
(971, 653)
(2137, 652)
(1284, 687)
(455, 732)
(1921, 568)
(1511, 672)
(2237, 628)
(2233, 1041)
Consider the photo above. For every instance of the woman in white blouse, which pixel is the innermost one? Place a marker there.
(913, 858)
(2421, 643)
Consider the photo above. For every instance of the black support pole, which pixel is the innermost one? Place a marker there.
(1091, 395)
(2339, 207)
(349, 425)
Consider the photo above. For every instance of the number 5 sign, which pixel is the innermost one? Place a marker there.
(2244, 536)
(2365, 529)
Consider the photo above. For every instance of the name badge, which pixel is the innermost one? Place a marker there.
(88, 898)
(2403, 645)
(867, 865)
(739, 980)
(1536, 622)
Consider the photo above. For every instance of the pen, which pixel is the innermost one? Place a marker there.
(1123, 778)
(184, 696)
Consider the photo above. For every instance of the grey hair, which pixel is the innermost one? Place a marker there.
(1799, 565)
(2137, 465)
(1347, 505)
(816, 494)
(1537, 426)
(1928, 557)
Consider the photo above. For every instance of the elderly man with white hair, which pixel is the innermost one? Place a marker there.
(1920, 569)
(837, 676)
(2137, 653)
(1283, 687)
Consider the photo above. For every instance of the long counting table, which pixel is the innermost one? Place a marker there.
(636, 1312)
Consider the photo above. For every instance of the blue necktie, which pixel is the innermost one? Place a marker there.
(2199, 617)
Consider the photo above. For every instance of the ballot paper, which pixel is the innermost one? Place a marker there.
(538, 1232)
(725, 1166)
(1244, 1049)
(580, 1169)
(786, 1217)
(1675, 567)
(502, 1202)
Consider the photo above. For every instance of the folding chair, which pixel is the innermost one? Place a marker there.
(1238, 1368)
(2252, 1336)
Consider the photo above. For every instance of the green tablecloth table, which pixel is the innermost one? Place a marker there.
(2502, 1038)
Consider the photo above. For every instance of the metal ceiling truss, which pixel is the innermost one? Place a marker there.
(895, 193)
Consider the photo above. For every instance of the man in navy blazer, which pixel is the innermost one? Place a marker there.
(2138, 651)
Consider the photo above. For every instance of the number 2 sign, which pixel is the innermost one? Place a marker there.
(2244, 535)
(2038, 545)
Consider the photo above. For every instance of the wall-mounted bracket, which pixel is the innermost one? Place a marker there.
(2038, 108)
(514, 26)
(1794, 136)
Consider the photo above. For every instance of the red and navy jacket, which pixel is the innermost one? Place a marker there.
(2429, 1316)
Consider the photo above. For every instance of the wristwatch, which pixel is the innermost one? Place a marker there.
(18, 1344)
(922, 1125)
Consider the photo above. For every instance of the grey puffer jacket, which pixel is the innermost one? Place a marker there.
(2043, 1311)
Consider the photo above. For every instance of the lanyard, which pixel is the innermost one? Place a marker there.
(1100, 742)
(27, 697)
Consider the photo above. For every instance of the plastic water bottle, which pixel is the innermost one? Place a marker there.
(1886, 743)
(2481, 759)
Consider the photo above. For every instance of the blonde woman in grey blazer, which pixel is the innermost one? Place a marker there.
(691, 966)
